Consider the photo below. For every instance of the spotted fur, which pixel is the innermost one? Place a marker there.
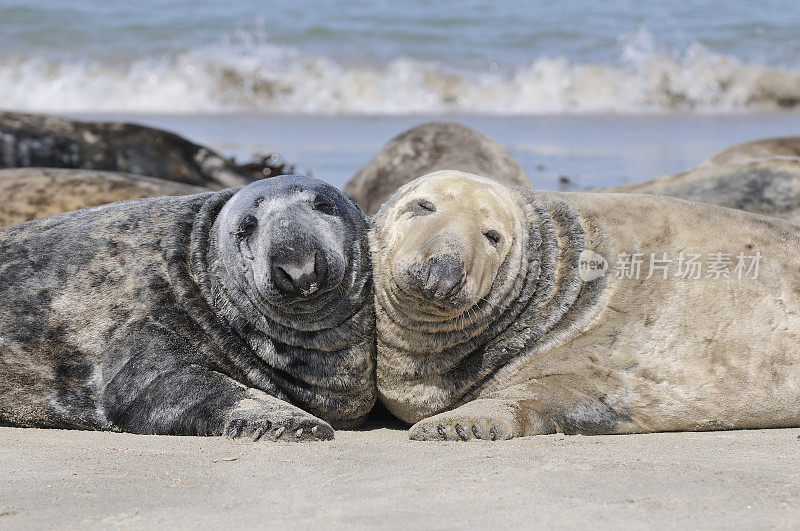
(32, 140)
(131, 317)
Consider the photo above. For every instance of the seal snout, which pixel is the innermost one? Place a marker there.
(439, 277)
(299, 274)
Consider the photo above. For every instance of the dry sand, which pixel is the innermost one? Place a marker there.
(378, 478)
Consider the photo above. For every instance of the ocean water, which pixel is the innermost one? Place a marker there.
(399, 58)
(584, 93)
(570, 153)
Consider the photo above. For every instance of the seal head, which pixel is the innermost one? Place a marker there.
(287, 243)
(447, 243)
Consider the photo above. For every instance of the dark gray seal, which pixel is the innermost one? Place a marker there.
(33, 193)
(31, 140)
(763, 186)
(428, 148)
(229, 312)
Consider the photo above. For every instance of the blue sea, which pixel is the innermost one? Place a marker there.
(599, 92)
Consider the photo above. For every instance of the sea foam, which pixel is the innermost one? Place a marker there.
(267, 78)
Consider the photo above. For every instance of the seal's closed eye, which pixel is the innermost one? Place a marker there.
(420, 207)
(424, 204)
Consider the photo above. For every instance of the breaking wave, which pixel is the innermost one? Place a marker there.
(266, 78)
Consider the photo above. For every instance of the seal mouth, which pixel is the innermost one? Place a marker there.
(447, 306)
(311, 289)
(301, 300)
(307, 301)
(438, 282)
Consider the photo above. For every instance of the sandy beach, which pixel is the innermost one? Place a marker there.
(378, 478)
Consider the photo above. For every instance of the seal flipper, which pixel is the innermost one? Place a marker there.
(561, 403)
(194, 400)
(487, 418)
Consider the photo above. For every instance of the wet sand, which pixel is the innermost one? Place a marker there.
(378, 478)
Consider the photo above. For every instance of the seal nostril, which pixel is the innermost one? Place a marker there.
(494, 237)
(428, 270)
(282, 279)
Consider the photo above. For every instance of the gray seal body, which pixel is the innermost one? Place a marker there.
(32, 140)
(33, 193)
(427, 148)
(246, 313)
(509, 312)
(769, 186)
(784, 147)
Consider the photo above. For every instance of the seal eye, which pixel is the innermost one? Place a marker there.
(421, 207)
(323, 205)
(246, 227)
(493, 236)
(426, 205)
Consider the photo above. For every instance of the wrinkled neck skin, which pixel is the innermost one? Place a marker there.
(428, 364)
(318, 354)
